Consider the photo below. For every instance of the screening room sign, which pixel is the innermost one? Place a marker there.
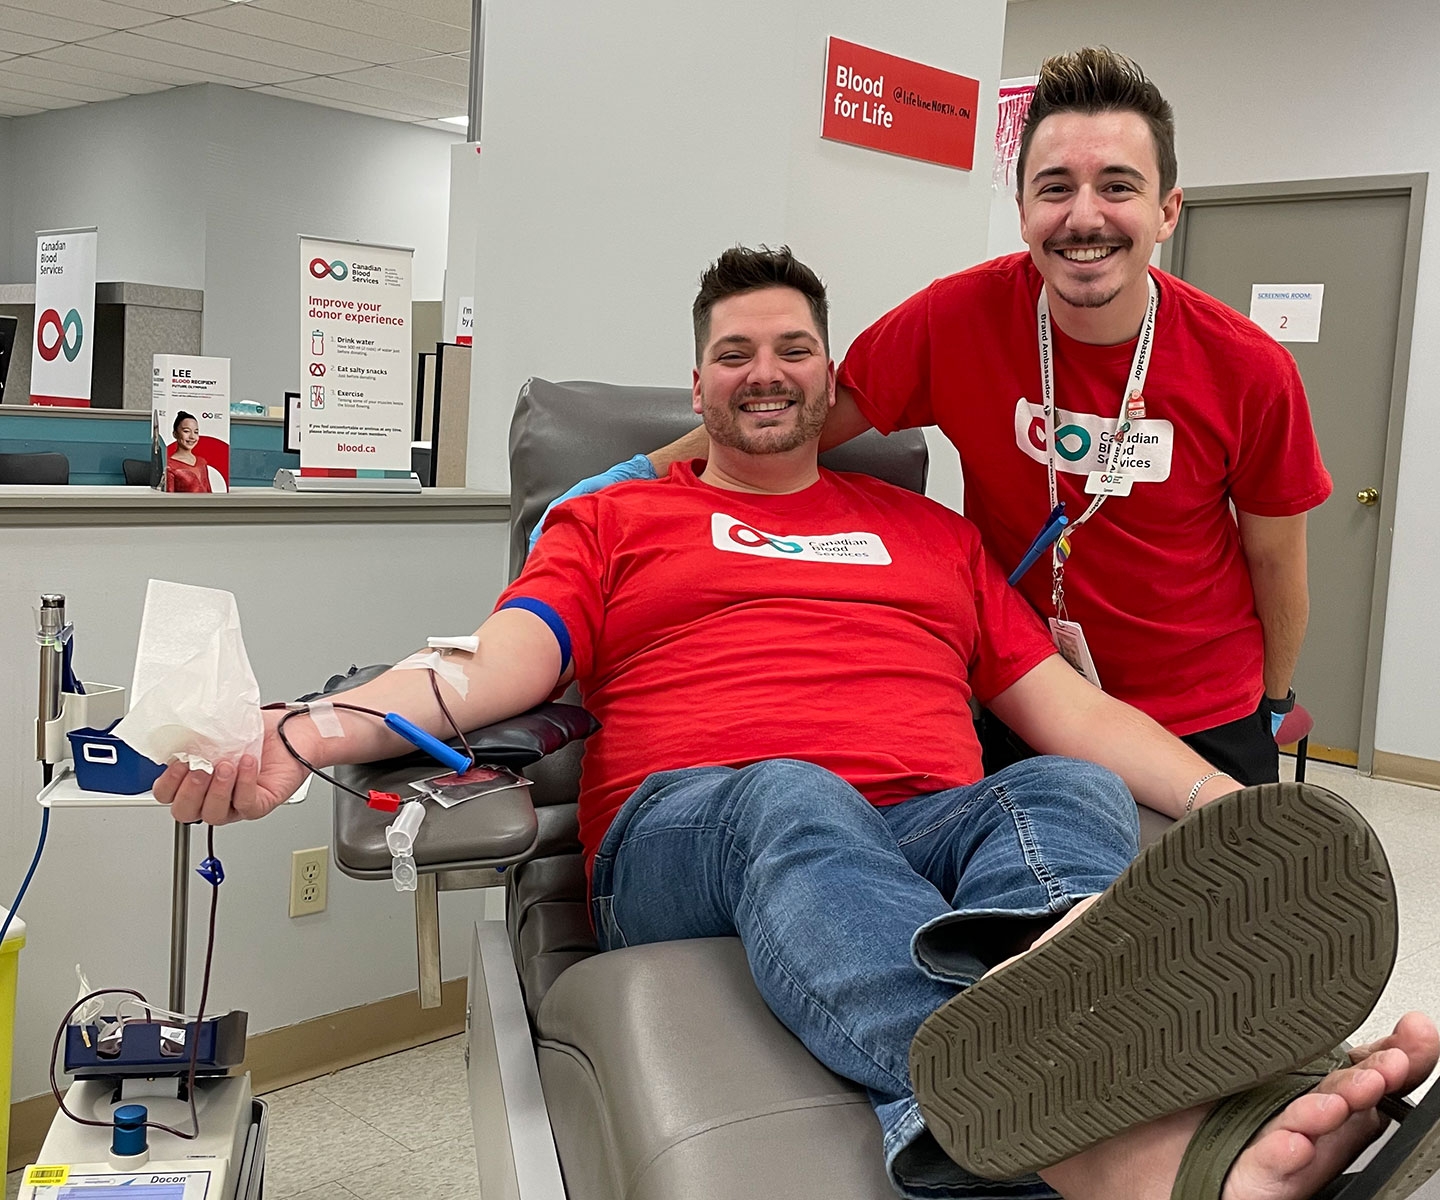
(62, 353)
(902, 107)
(354, 358)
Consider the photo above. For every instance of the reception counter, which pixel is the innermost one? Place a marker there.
(110, 506)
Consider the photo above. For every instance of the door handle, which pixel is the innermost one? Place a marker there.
(1367, 497)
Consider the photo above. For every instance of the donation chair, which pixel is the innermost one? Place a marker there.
(649, 1073)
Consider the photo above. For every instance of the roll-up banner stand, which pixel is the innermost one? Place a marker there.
(64, 317)
(355, 346)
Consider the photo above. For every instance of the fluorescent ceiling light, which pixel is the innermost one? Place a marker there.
(455, 120)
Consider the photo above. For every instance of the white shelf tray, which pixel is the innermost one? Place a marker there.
(63, 792)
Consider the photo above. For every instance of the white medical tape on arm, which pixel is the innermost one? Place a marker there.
(432, 660)
(327, 723)
(470, 644)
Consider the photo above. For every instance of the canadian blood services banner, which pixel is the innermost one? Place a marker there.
(355, 345)
(61, 358)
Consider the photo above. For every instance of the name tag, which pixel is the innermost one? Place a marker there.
(1108, 483)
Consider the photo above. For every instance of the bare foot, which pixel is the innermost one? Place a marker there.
(1319, 1134)
(1310, 1142)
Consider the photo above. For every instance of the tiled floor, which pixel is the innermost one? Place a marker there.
(400, 1126)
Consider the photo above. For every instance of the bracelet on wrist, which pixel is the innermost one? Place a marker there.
(1195, 790)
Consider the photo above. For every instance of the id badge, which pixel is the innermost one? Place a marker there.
(1108, 483)
(1069, 639)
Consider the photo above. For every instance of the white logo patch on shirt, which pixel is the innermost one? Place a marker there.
(1083, 443)
(739, 537)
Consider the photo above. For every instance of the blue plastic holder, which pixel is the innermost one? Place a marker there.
(103, 763)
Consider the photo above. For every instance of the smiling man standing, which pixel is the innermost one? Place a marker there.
(1077, 374)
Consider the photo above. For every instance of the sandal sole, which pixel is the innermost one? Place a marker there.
(1253, 937)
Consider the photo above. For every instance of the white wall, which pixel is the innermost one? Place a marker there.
(313, 600)
(7, 187)
(134, 167)
(626, 146)
(210, 187)
(1301, 89)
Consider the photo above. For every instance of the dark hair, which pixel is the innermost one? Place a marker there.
(183, 416)
(1098, 80)
(741, 269)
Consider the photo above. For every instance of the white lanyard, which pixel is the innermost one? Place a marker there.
(1132, 408)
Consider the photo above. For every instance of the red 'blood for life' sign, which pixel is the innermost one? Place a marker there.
(887, 103)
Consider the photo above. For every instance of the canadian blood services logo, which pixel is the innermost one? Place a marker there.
(320, 268)
(68, 335)
(740, 537)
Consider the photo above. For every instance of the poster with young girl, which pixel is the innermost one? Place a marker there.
(190, 424)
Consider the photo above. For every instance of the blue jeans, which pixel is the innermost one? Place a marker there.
(858, 922)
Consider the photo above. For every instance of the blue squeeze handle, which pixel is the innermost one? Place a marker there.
(434, 747)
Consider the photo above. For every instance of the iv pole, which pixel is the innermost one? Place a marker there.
(52, 635)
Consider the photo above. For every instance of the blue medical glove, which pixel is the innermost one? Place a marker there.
(1279, 710)
(638, 467)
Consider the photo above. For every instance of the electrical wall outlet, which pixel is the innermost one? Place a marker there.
(308, 871)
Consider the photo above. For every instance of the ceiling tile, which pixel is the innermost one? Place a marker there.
(443, 126)
(49, 68)
(343, 105)
(452, 97)
(453, 68)
(43, 25)
(37, 100)
(174, 8)
(18, 43)
(447, 12)
(219, 68)
(120, 64)
(246, 18)
(92, 12)
(256, 49)
(54, 87)
(374, 21)
(339, 89)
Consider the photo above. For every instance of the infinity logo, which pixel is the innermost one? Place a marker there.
(63, 330)
(1081, 437)
(336, 270)
(738, 532)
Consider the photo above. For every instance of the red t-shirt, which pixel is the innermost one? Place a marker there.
(717, 627)
(1157, 578)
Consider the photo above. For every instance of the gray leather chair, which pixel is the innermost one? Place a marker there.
(649, 1073)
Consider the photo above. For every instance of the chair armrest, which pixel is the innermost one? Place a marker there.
(497, 830)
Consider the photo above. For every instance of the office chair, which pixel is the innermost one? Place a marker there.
(137, 471)
(34, 468)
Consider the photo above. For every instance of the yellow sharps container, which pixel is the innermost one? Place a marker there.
(9, 966)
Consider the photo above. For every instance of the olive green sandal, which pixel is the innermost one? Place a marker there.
(1249, 940)
(1407, 1160)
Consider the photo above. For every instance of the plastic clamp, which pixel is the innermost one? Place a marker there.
(211, 871)
(387, 802)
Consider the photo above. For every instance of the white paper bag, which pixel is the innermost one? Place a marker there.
(194, 697)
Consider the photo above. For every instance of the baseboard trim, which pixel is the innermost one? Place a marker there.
(1402, 768)
(279, 1057)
